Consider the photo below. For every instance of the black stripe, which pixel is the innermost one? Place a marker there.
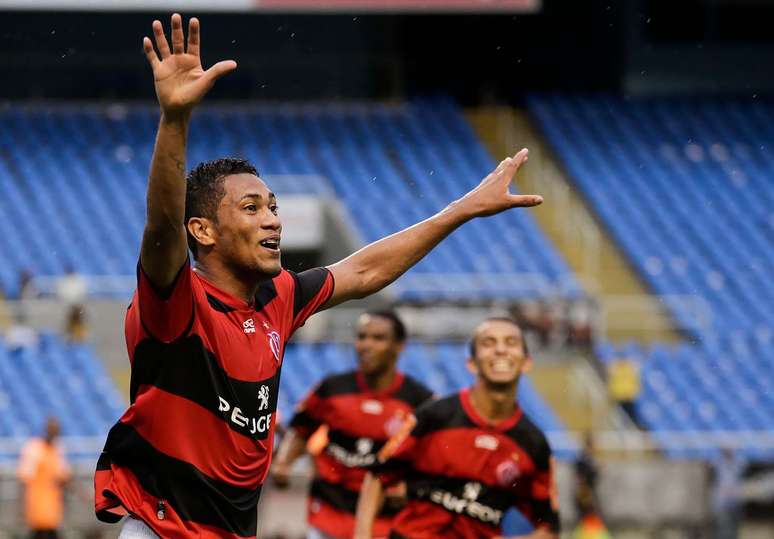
(308, 285)
(396, 535)
(267, 291)
(344, 383)
(341, 498)
(349, 442)
(304, 420)
(446, 413)
(218, 305)
(187, 369)
(543, 513)
(166, 293)
(193, 495)
(421, 485)
(103, 462)
(412, 392)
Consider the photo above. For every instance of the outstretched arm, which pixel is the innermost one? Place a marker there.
(180, 84)
(375, 266)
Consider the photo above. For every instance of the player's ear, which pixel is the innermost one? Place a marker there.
(527, 365)
(202, 230)
(472, 365)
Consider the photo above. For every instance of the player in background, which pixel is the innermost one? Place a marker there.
(471, 456)
(361, 410)
(189, 456)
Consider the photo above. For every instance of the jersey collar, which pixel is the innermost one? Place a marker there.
(392, 388)
(475, 417)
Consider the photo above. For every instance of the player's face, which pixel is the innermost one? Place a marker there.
(500, 357)
(249, 227)
(375, 345)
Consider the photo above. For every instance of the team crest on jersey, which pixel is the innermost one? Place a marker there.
(507, 473)
(263, 398)
(274, 344)
(486, 441)
(392, 425)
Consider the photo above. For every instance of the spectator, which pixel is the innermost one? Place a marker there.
(71, 287)
(727, 494)
(623, 383)
(76, 327)
(27, 288)
(586, 477)
(19, 335)
(43, 473)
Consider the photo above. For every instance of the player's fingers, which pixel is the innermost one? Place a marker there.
(150, 53)
(178, 39)
(525, 201)
(161, 39)
(220, 69)
(193, 36)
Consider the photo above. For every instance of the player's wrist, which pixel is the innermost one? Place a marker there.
(178, 118)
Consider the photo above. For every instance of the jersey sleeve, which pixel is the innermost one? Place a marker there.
(165, 314)
(541, 507)
(311, 289)
(310, 413)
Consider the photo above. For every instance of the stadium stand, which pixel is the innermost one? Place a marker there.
(59, 379)
(685, 188)
(72, 179)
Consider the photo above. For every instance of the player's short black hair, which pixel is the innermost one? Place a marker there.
(204, 189)
(398, 327)
(472, 342)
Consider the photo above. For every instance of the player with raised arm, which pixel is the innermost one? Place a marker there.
(205, 340)
(469, 457)
(359, 410)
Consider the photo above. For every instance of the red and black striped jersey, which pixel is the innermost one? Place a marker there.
(359, 422)
(190, 454)
(463, 472)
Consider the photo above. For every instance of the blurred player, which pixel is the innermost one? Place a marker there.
(361, 409)
(189, 456)
(471, 456)
(43, 472)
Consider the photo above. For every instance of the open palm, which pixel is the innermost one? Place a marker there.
(180, 80)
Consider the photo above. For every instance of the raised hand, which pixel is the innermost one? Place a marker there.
(493, 196)
(180, 80)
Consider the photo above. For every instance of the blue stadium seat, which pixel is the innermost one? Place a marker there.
(83, 170)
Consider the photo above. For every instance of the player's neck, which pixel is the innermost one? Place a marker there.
(493, 403)
(381, 380)
(240, 286)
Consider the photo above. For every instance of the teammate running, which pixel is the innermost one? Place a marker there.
(471, 456)
(205, 341)
(361, 410)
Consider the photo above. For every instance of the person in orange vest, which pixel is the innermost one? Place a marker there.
(43, 473)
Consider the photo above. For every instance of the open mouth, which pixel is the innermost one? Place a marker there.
(273, 244)
(502, 366)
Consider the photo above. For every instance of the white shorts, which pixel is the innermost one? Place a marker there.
(136, 529)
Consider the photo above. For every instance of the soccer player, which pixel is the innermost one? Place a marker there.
(205, 341)
(471, 456)
(361, 410)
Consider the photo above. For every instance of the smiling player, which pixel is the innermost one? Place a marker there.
(189, 456)
(469, 457)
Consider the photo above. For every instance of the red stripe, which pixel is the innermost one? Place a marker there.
(452, 452)
(186, 431)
